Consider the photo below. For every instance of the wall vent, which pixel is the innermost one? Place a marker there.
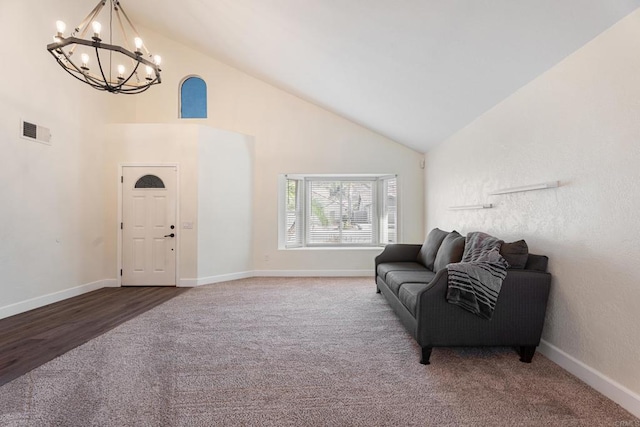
(34, 132)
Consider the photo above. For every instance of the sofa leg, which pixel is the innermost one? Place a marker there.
(426, 354)
(527, 352)
(377, 290)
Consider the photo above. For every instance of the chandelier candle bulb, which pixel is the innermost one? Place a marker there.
(85, 61)
(157, 59)
(138, 43)
(121, 70)
(97, 27)
(149, 72)
(60, 26)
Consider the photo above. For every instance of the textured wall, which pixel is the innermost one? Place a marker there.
(578, 123)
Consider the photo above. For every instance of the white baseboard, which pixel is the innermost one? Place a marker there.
(30, 304)
(313, 273)
(189, 283)
(600, 382)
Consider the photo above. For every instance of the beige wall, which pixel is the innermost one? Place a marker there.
(291, 136)
(578, 123)
(210, 198)
(153, 144)
(225, 205)
(52, 206)
(57, 234)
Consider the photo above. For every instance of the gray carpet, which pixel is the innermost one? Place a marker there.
(290, 351)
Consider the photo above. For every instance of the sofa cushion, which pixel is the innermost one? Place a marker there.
(429, 250)
(450, 251)
(386, 267)
(408, 295)
(395, 279)
(516, 253)
(537, 262)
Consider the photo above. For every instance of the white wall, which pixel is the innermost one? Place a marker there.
(291, 136)
(225, 205)
(155, 144)
(55, 241)
(52, 206)
(215, 203)
(578, 123)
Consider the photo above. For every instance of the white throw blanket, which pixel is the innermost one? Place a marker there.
(474, 284)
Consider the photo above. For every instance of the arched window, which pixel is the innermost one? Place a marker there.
(149, 181)
(193, 98)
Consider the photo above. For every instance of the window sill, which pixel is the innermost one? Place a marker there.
(335, 248)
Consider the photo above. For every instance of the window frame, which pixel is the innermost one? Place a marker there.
(302, 210)
(181, 100)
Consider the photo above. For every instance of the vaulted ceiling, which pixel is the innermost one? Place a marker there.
(415, 71)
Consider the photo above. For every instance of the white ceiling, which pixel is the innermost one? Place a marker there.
(415, 71)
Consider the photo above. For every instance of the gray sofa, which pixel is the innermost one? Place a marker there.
(413, 279)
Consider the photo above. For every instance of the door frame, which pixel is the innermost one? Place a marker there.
(121, 167)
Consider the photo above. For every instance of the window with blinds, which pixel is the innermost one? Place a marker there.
(340, 211)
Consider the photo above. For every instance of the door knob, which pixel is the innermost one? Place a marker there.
(170, 235)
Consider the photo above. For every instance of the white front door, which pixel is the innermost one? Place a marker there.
(149, 225)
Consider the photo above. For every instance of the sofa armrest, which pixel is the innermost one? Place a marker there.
(517, 320)
(397, 252)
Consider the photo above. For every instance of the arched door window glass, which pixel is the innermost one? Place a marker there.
(149, 181)
(193, 98)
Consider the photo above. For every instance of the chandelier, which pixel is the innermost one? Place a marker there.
(105, 66)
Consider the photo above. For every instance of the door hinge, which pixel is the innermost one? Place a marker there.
(121, 178)
(121, 226)
(121, 272)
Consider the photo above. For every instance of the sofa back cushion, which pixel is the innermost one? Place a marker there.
(537, 262)
(515, 253)
(429, 250)
(450, 251)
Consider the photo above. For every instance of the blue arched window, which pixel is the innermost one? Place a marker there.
(193, 98)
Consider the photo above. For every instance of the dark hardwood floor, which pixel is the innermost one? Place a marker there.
(30, 339)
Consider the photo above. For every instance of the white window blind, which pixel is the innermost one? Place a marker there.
(294, 221)
(340, 211)
(389, 209)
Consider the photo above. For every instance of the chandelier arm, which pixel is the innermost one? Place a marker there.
(131, 75)
(66, 57)
(132, 26)
(84, 24)
(122, 86)
(135, 92)
(74, 71)
(71, 72)
(124, 35)
(91, 43)
(104, 78)
(93, 80)
(86, 77)
(94, 83)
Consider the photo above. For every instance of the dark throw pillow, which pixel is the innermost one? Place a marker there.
(429, 249)
(450, 251)
(515, 253)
